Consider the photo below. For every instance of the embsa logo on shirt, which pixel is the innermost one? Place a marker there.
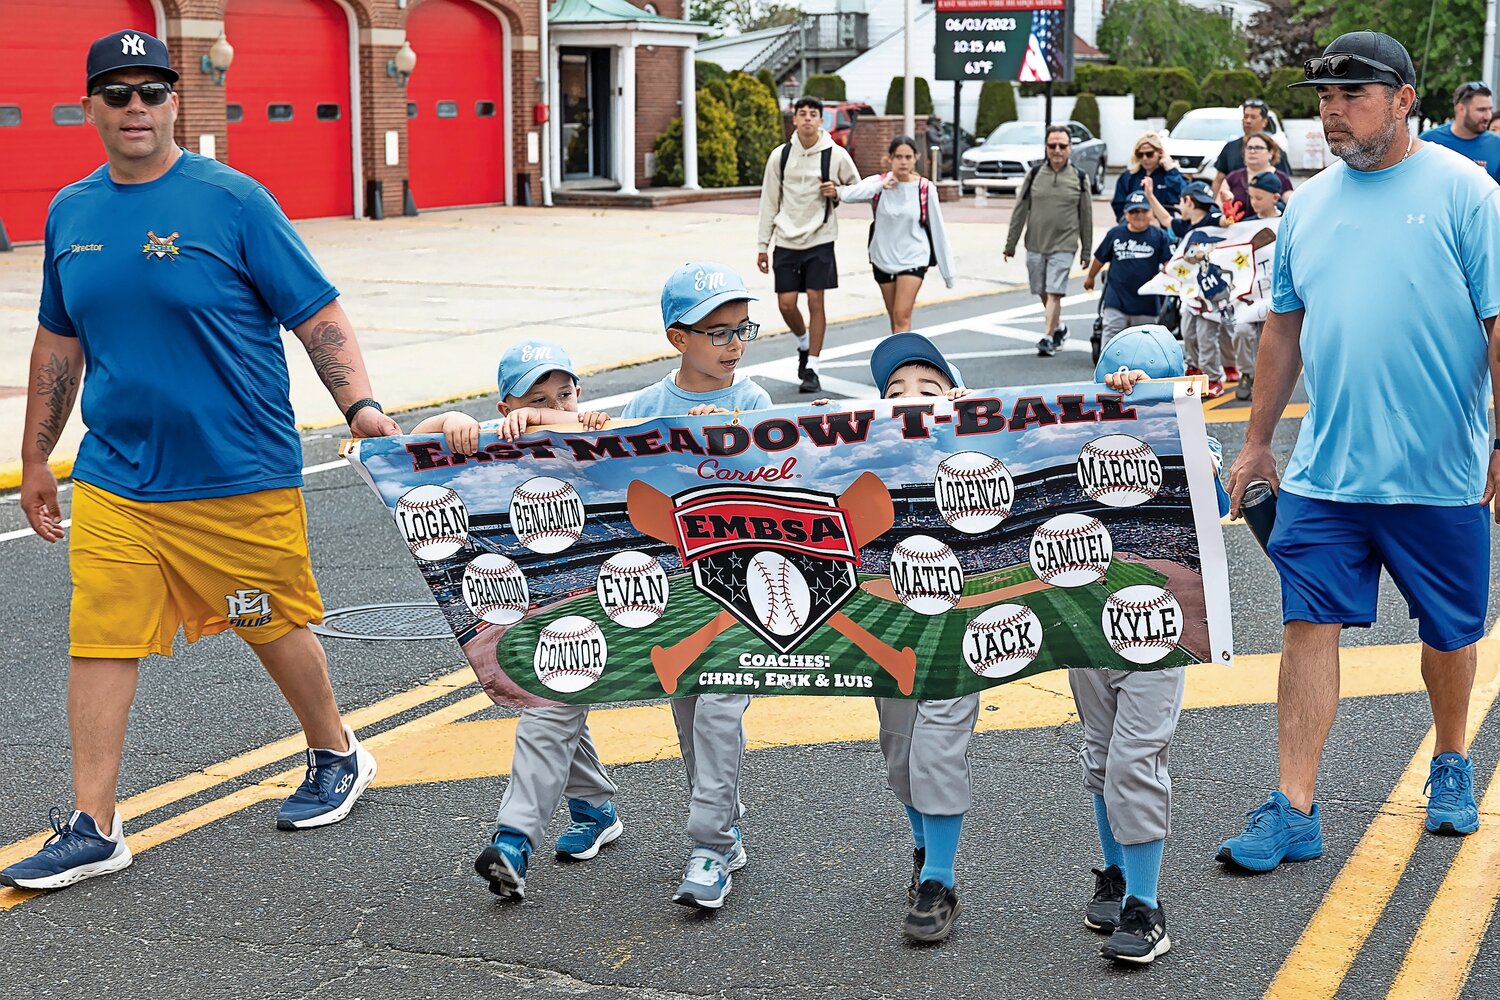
(161, 247)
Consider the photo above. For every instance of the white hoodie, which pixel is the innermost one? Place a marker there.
(791, 208)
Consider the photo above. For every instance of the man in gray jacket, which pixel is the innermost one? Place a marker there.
(799, 211)
(1055, 206)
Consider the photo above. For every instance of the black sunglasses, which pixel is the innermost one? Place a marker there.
(746, 331)
(1254, 102)
(117, 95)
(1058, 145)
(1338, 64)
(1473, 87)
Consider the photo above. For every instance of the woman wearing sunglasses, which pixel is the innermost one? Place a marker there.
(1149, 161)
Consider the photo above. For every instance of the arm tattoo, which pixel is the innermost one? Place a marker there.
(326, 349)
(57, 385)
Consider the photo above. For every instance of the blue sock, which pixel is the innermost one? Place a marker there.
(1113, 854)
(918, 834)
(942, 846)
(1143, 870)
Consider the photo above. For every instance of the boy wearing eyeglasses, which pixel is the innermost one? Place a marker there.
(705, 310)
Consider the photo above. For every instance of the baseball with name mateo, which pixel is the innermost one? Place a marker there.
(926, 575)
(1118, 470)
(495, 589)
(1142, 623)
(974, 491)
(570, 654)
(778, 593)
(433, 520)
(632, 589)
(546, 514)
(1071, 550)
(1003, 640)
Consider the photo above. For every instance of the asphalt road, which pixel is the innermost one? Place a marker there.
(386, 904)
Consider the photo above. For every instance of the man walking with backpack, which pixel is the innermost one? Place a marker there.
(1055, 207)
(799, 212)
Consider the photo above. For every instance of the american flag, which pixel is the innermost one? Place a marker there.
(1044, 57)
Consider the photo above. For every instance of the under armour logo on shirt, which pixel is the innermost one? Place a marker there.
(133, 45)
(1419, 220)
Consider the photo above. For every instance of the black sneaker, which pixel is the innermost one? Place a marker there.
(931, 917)
(1059, 335)
(810, 382)
(1103, 911)
(1141, 936)
(918, 859)
(1247, 383)
(802, 364)
(1045, 348)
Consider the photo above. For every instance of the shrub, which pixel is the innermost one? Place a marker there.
(718, 164)
(720, 89)
(1176, 111)
(825, 87)
(1060, 88)
(1086, 112)
(895, 97)
(1105, 81)
(757, 125)
(1229, 88)
(1299, 103)
(1156, 89)
(765, 77)
(705, 72)
(997, 105)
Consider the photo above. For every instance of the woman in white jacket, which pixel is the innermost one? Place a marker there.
(907, 236)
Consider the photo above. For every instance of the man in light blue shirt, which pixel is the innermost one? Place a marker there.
(1468, 133)
(1385, 295)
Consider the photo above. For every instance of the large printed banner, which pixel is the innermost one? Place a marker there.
(909, 547)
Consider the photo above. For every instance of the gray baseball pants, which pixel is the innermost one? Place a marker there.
(1201, 344)
(711, 733)
(554, 756)
(1129, 717)
(926, 748)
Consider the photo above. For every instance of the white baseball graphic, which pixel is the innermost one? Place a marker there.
(778, 593)
(570, 654)
(495, 590)
(926, 575)
(632, 589)
(974, 491)
(1142, 623)
(1119, 471)
(1071, 550)
(546, 514)
(1003, 640)
(433, 520)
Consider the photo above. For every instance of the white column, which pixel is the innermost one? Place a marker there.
(554, 134)
(627, 118)
(909, 91)
(689, 120)
(1487, 64)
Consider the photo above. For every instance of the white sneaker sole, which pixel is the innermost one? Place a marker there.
(367, 769)
(114, 863)
(1162, 947)
(609, 835)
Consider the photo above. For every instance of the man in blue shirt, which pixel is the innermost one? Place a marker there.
(1135, 251)
(166, 280)
(1468, 133)
(1385, 293)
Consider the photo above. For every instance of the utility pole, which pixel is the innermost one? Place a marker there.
(1487, 71)
(909, 84)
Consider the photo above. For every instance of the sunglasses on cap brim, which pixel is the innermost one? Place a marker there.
(1339, 65)
(117, 95)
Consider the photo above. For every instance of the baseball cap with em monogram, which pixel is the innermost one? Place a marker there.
(524, 364)
(695, 290)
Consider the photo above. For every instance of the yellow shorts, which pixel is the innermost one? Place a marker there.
(141, 570)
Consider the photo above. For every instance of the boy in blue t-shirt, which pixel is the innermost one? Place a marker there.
(1135, 251)
(705, 309)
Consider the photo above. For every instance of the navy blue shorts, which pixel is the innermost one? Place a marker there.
(1329, 555)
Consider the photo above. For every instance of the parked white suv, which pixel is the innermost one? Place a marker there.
(1200, 135)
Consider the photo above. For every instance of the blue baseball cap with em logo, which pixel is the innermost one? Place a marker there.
(526, 363)
(695, 290)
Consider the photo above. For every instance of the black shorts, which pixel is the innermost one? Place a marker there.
(810, 270)
(886, 278)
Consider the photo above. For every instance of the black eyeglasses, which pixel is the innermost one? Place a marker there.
(746, 331)
(1058, 145)
(117, 95)
(1338, 64)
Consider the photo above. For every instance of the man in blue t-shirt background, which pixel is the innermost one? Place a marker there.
(1468, 133)
(1384, 295)
(1135, 251)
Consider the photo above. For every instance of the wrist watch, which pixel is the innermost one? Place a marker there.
(357, 405)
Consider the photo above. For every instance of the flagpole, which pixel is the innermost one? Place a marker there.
(909, 84)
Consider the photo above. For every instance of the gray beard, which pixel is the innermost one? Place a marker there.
(1366, 155)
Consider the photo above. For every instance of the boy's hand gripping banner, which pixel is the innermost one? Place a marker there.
(904, 547)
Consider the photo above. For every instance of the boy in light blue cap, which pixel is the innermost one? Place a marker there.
(1129, 718)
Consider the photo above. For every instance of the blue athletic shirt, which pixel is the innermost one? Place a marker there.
(1483, 149)
(1133, 259)
(177, 290)
(1395, 268)
(665, 399)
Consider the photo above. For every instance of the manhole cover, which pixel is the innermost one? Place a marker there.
(386, 621)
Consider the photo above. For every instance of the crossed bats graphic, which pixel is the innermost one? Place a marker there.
(871, 515)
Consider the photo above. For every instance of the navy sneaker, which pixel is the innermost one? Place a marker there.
(503, 864)
(1141, 937)
(333, 783)
(1450, 805)
(75, 851)
(1103, 911)
(930, 919)
(591, 829)
(707, 880)
(1275, 833)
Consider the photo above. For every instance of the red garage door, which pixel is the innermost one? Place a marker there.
(44, 142)
(288, 95)
(456, 136)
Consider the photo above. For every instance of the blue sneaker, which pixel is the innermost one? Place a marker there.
(333, 783)
(707, 880)
(591, 829)
(75, 851)
(1450, 806)
(1276, 833)
(503, 864)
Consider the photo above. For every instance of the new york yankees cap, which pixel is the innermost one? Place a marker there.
(523, 365)
(128, 50)
(697, 289)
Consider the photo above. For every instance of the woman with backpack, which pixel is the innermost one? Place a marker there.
(1148, 158)
(906, 236)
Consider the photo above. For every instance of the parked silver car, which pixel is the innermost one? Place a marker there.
(1004, 159)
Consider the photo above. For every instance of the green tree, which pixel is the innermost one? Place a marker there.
(895, 96)
(824, 86)
(767, 80)
(1175, 112)
(718, 159)
(997, 105)
(1105, 81)
(744, 15)
(757, 125)
(1086, 112)
(1229, 88)
(705, 72)
(1299, 103)
(1141, 33)
(1156, 89)
(1284, 34)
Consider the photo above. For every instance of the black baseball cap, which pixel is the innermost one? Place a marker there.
(1267, 181)
(128, 50)
(1376, 58)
